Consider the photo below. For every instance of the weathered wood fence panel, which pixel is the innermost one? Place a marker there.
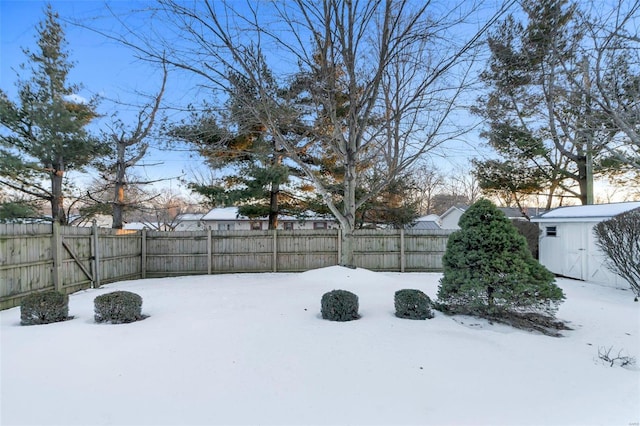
(25, 261)
(302, 250)
(242, 251)
(40, 257)
(175, 253)
(118, 255)
(423, 250)
(378, 250)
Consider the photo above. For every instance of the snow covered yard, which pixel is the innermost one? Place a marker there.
(252, 349)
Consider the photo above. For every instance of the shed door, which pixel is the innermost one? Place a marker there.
(575, 238)
(597, 269)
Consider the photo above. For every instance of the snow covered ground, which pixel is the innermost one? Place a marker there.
(252, 349)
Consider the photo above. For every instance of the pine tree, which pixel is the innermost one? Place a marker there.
(489, 271)
(43, 137)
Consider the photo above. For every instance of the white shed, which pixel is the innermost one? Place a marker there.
(568, 245)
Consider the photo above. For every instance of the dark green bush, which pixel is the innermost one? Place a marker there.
(412, 304)
(339, 305)
(118, 307)
(489, 270)
(44, 308)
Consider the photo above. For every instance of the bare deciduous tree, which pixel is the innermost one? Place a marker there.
(162, 213)
(429, 182)
(613, 57)
(128, 146)
(397, 67)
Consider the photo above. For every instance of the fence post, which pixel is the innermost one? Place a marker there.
(143, 255)
(95, 254)
(274, 260)
(209, 251)
(56, 254)
(339, 246)
(402, 254)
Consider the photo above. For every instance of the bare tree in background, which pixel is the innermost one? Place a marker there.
(396, 66)
(128, 146)
(613, 58)
(162, 213)
(429, 182)
(464, 184)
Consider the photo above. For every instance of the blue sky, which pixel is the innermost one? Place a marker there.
(106, 68)
(103, 67)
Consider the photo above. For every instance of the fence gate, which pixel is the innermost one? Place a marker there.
(73, 257)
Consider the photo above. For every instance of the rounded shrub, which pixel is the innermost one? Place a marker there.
(118, 307)
(339, 305)
(412, 304)
(44, 308)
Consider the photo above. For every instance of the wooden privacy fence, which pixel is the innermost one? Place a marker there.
(37, 257)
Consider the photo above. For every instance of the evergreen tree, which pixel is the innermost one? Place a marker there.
(43, 136)
(19, 211)
(392, 206)
(489, 270)
(260, 183)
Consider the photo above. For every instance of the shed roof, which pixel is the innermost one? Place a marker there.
(590, 213)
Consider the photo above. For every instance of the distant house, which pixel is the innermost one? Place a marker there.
(228, 219)
(189, 222)
(430, 221)
(568, 245)
(138, 226)
(450, 218)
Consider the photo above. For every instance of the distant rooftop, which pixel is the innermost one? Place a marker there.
(231, 213)
(591, 212)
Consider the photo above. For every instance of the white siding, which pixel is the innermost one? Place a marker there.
(245, 224)
(573, 253)
(450, 221)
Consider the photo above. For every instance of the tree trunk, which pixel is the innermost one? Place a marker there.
(347, 257)
(273, 206)
(57, 198)
(118, 201)
(581, 162)
(118, 206)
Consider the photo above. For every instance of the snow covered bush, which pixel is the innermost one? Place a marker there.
(339, 305)
(118, 307)
(489, 270)
(412, 304)
(44, 308)
(619, 239)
